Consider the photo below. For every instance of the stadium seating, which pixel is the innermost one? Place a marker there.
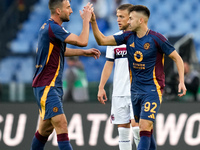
(16, 69)
(167, 17)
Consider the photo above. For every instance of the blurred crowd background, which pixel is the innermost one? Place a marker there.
(21, 20)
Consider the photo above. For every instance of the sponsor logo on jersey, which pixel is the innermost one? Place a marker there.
(120, 52)
(38, 66)
(43, 26)
(146, 46)
(65, 30)
(138, 56)
(151, 116)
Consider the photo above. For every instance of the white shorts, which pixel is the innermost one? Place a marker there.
(121, 110)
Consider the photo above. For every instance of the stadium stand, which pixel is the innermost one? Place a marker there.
(171, 18)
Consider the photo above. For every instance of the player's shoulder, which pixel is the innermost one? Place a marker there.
(56, 27)
(110, 48)
(125, 32)
(118, 33)
(157, 35)
(53, 23)
(151, 32)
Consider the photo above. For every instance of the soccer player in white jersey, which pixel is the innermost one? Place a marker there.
(121, 107)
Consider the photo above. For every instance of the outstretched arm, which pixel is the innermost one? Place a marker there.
(82, 39)
(102, 97)
(99, 36)
(80, 52)
(179, 63)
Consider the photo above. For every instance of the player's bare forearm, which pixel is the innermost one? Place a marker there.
(86, 16)
(107, 70)
(80, 52)
(73, 52)
(84, 36)
(99, 36)
(179, 63)
(97, 33)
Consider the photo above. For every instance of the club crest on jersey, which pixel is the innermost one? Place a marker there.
(55, 109)
(146, 46)
(112, 117)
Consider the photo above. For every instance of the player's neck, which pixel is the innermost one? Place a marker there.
(56, 19)
(142, 31)
(126, 30)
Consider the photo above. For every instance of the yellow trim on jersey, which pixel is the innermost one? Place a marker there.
(157, 86)
(147, 32)
(50, 51)
(131, 77)
(43, 101)
(46, 91)
(163, 60)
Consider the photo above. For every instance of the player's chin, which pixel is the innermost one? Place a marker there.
(120, 27)
(65, 19)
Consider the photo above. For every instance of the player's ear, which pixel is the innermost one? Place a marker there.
(141, 20)
(58, 11)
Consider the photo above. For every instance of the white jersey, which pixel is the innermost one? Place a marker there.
(121, 79)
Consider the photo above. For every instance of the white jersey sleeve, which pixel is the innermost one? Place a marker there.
(121, 79)
(110, 53)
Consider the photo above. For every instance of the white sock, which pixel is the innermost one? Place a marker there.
(124, 139)
(136, 135)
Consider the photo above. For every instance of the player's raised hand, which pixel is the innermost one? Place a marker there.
(181, 89)
(93, 18)
(102, 97)
(87, 11)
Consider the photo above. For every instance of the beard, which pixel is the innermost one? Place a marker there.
(65, 18)
(124, 27)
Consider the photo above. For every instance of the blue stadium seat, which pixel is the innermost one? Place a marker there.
(20, 46)
(20, 69)
(25, 72)
(167, 17)
(75, 27)
(5, 73)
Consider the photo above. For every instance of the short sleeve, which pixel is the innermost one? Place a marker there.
(120, 39)
(164, 44)
(110, 53)
(60, 32)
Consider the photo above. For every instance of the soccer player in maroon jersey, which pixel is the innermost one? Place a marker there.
(146, 50)
(47, 81)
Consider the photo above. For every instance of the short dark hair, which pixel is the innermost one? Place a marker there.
(140, 8)
(53, 4)
(124, 6)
